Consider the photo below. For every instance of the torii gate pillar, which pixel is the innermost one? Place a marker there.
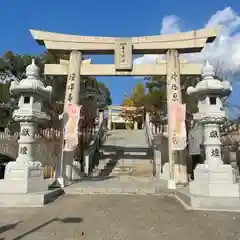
(177, 168)
(72, 95)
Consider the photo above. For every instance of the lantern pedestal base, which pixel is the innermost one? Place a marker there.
(24, 186)
(217, 182)
(21, 178)
(213, 189)
(207, 203)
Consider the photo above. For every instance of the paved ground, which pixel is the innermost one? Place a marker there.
(97, 217)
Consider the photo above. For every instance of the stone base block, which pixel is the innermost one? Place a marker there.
(218, 182)
(37, 199)
(222, 174)
(200, 202)
(180, 173)
(215, 189)
(21, 178)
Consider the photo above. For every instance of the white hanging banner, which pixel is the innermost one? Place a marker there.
(71, 128)
(178, 126)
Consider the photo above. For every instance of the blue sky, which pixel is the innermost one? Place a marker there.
(101, 18)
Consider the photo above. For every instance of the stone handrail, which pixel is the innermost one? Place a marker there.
(149, 135)
(154, 152)
(94, 146)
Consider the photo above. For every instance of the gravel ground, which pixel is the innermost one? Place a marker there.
(97, 217)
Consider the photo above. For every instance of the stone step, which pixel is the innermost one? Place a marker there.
(136, 174)
(107, 165)
(134, 161)
(138, 170)
(102, 164)
(106, 170)
(124, 165)
(132, 166)
(119, 185)
(106, 153)
(137, 155)
(125, 149)
(116, 190)
(99, 170)
(121, 171)
(113, 174)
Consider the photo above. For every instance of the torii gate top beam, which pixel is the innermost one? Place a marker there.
(119, 108)
(185, 42)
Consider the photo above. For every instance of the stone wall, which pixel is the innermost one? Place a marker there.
(48, 147)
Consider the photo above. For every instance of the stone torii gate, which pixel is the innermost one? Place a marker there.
(72, 48)
(122, 108)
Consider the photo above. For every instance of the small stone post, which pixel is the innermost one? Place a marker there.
(135, 125)
(109, 118)
(147, 117)
(101, 117)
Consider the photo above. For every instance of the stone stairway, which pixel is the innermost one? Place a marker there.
(125, 167)
(125, 153)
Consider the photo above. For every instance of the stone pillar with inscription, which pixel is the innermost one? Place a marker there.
(73, 82)
(177, 165)
(26, 174)
(213, 178)
(72, 96)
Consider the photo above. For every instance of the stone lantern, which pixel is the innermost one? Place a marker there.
(27, 174)
(213, 178)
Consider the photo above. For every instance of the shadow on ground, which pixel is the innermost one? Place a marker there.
(63, 220)
(8, 227)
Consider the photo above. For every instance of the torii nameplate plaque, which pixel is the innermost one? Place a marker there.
(123, 55)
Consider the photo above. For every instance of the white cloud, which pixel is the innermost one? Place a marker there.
(223, 53)
(170, 24)
(227, 19)
(146, 59)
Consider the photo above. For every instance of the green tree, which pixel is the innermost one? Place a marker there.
(137, 99)
(138, 95)
(156, 98)
(13, 67)
(106, 92)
